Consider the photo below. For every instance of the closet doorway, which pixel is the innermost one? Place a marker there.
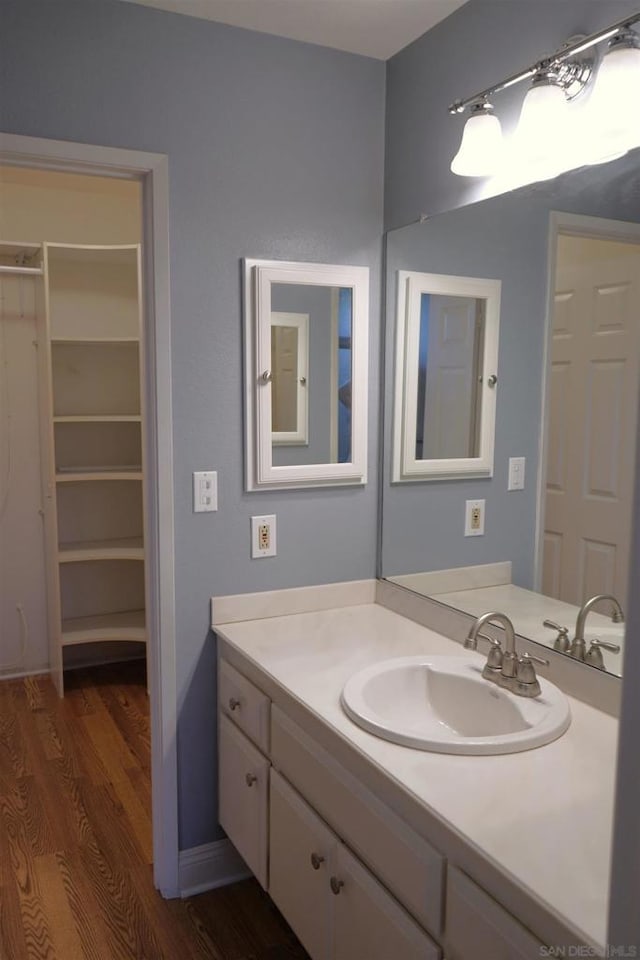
(85, 318)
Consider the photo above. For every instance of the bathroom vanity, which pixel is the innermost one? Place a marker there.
(374, 850)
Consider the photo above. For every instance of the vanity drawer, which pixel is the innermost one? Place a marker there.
(477, 926)
(244, 704)
(405, 863)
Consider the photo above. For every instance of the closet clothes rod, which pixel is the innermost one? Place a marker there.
(30, 271)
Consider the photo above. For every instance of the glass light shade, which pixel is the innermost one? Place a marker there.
(542, 143)
(481, 147)
(613, 114)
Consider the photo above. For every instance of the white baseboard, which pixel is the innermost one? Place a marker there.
(208, 866)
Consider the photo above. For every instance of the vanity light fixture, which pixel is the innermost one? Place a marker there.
(542, 136)
(481, 148)
(614, 110)
(551, 137)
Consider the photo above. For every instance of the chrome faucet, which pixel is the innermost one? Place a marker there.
(505, 667)
(578, 646)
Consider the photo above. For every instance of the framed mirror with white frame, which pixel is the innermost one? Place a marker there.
(445, 376)
(305, 368)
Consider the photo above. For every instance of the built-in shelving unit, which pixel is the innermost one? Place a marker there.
(96, 464)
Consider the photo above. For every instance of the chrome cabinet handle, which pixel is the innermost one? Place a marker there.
(233, 704)
(336, 885)
(267, 376)
(303, 380)
(316, 861)
(251, 779)
(491, 382)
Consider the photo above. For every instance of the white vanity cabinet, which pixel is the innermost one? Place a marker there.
(477, 926)
(243, 743)
(243, 796)
(337, 908)
(353, 879)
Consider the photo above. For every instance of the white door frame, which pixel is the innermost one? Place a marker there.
(577, 225)
(152, 170)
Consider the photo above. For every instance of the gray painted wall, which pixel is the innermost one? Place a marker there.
(275, 151)
(504, 238)
(423, 523)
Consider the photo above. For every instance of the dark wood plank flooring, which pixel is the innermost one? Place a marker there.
(75, 837)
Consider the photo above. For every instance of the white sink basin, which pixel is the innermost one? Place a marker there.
(443, 704)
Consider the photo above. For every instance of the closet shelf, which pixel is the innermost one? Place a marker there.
(101, 418)
(130, 548)
(82, 474)
(111, 626)
(94, 340)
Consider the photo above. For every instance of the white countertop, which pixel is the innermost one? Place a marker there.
(543, 818)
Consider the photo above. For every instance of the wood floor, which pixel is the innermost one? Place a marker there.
(75, 837)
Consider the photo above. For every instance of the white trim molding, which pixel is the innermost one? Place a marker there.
(411, 287)
(151, 170)
(260, 472)
(209, 866)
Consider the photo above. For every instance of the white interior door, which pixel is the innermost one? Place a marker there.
(592, 426)
(451, 387)
(289, 365)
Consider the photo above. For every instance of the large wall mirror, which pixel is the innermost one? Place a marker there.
(566, 253)
(306, 349)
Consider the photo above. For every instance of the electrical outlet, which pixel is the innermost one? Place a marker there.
(205, 491)
(263, 537)
(474, 518)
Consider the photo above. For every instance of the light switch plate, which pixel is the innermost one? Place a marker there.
(205, 491)
(516, 473)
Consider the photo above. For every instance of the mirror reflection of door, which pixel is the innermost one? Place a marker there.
(592, 427)
(289, 366)
(449, 363)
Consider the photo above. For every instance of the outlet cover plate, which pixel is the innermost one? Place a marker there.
(263, 537)
(474, 518)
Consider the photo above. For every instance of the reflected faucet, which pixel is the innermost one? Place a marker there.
(578, 646)
(505, 667)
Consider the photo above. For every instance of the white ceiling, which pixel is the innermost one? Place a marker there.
(375, 28)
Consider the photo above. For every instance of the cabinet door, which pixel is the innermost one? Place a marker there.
(369, 923)
(243, 788)
(301, 849)
(477, 926)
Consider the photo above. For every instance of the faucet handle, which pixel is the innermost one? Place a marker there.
(531, 658)
(525, 671)
(494, 660)
(594, 654)
(561, 642)
(491, 640)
